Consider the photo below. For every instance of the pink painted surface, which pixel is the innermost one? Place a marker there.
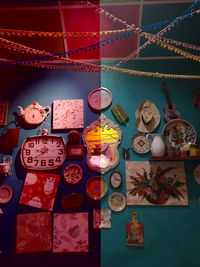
(68, 114)
(70, 232)
(40, 190)
(34, 232)
(81, 19)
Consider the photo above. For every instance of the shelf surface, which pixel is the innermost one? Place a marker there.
(176, 158)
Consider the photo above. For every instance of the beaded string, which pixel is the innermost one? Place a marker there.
(150, 37)
(136, 52)
(125, 71)
(22, 48)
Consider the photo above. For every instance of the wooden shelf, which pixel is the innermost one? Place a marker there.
(176, 158)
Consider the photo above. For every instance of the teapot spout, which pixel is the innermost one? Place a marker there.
(21, 110)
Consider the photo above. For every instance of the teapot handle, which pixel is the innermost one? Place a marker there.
(47, 109)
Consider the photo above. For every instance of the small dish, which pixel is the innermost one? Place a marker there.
(100, 98)
(140, 143)
(197, 174)
(6, 193)
(73, 173)
(117, 202)
(96, 188)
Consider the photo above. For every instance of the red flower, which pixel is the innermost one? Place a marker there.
(161, 180)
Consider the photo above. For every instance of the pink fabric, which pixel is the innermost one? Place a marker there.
(40, 190)
(34, 232)
(70, 232)
(102, 218)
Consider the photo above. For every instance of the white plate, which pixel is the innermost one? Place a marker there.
(117, 202)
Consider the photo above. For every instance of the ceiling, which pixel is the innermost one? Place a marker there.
(78, 16)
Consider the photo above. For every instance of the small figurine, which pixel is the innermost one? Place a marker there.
(126, 153)
(134, 232)
(5, 167)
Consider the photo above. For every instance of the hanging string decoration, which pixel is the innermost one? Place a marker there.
(93, 67)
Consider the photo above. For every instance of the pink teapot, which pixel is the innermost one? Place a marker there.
(34, 114)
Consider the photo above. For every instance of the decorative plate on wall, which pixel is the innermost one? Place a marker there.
(96, 187)
(140, 143)
(115, 179)
(197, 173)
(6, 193)
(100, 98)
(179, 133)
(117, 202)
(73, 173)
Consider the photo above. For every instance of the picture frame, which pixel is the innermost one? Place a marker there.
(3, 112)
(156, 183)
(116, 179)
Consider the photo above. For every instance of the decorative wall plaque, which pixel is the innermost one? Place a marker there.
(68, 114)
(101, 139)
(134, 232)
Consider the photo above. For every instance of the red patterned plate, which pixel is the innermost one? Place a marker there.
(96, 187)
(73, 173)
(6, 193)
(100, 98)
(140, 143)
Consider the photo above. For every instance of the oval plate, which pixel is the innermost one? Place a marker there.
(96, 188)
(179, 133)
(140, 143)
(6, 193)
(100, 98)
(117, 202)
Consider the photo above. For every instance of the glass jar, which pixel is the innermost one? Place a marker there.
(194, 150)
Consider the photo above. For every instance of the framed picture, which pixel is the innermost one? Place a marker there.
(116, 179)
(68, 114)
(156, 183)
(3, 112)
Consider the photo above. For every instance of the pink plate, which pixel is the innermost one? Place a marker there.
(73, 173)
(100, 98)
(6, 193)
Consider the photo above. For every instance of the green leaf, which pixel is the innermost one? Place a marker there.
(146, 176)
(164, 171)
(178, 183)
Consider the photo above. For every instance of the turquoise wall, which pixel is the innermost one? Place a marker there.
(171, 234)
